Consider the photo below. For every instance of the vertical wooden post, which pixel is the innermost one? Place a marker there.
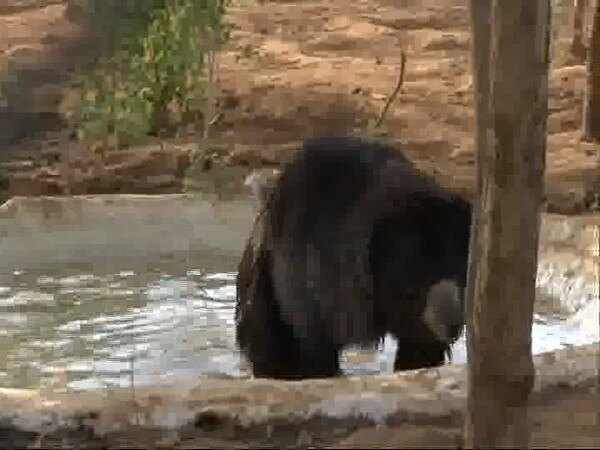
(510, 172)
(481, 14)
(591, 102)
(578, 49)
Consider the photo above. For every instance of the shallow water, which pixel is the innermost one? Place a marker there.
(81, 330)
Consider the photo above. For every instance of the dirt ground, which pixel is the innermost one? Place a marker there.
(321, 66)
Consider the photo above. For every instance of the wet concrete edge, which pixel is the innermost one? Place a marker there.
(432, 394)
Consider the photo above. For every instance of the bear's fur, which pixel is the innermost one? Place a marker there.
(351, 242)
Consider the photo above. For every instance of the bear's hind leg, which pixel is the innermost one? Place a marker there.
(412, 354)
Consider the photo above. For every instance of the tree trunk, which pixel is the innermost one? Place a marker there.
(480, 66)
(510, 170)
(578, 49)
(591, 102)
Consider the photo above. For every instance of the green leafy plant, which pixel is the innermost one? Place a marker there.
(157, 72)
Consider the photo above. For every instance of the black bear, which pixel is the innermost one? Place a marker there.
(351, 242)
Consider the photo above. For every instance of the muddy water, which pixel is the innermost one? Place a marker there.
(78, 329)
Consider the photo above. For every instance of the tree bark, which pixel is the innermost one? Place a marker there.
(578, 49)
(510, 171)
(480, 66)
(591, 102)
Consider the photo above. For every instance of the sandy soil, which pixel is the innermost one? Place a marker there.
(321, 66)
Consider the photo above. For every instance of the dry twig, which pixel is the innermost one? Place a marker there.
(392, 97)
